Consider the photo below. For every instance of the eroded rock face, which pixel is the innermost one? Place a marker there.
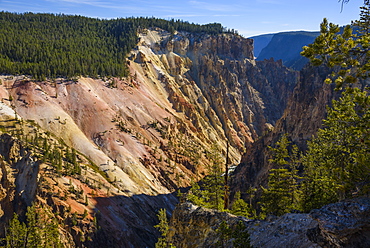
(151, 130)
(150, 133)
(342, 224)
(215, 80)
(18, 183)
(301, 119)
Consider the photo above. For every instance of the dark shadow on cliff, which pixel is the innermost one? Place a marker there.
(129, 221)
(305, 110)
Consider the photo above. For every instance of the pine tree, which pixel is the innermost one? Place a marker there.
(34, 237)
(336, 163)
(196, 195)
(241, 208)
(281, 194)
(211, 190)
(16, 233)
(40, 229)
(213, 184)
(163, 228)
(241, 236)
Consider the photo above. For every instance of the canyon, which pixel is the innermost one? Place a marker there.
(140, 139)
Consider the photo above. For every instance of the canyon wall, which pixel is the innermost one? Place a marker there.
(300, 121)
(139, 139)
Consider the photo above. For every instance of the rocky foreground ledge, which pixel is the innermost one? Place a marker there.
(342, 224)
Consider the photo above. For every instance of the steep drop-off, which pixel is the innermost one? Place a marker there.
(301, 119)
(149, 134)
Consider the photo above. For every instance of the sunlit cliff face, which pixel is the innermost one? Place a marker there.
(152, 132)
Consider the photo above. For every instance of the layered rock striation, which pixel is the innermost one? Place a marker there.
(150, 133)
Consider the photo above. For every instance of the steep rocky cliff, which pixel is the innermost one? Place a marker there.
(301, 119)
(138, 139)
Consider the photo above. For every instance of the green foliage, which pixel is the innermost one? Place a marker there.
(163, 228)
(337, 163)
(238, 234)
(335, 166)
(210, 193)
(196, 195)
(16, 233)
(241, 208)
(281, 153)
(241, 236)
(50, 46)
(47, 45)
(281, 195)
(40, 229)
(346, 52)
(278, 198)
(224, 234)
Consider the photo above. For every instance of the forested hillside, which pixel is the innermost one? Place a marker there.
(48, 45)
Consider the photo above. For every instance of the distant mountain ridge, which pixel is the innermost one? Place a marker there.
(285, 46)
(260, 42)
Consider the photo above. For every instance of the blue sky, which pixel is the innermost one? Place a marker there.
(249, 17)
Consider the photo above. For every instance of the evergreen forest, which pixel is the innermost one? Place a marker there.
(57, 45)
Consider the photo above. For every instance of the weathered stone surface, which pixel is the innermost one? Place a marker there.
(342, 224)
(193, 226)
(288, 230)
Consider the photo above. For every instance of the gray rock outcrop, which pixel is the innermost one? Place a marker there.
(193, 226)
(342, 224)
